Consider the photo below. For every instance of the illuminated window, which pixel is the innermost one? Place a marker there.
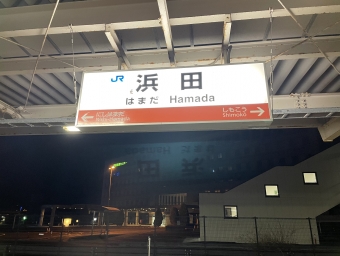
(230, 211)
(272, 190)
(310, 178)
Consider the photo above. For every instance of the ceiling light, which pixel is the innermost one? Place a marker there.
(71, 129)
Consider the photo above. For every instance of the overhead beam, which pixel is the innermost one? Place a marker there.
(55, 126)
(309, 25)
(15, 32)
(330, 130)
(157, 58)
(287, 42)
(303, 102)
(50, 119)
(56, 121)
(4, 107)
(283, 104)
(165, 22)
(283, 13)
(226, 40)
(116, 26)
(48, 111)
(61, 121)
(117, 47)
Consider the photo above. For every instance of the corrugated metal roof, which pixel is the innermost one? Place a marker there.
(300, 72)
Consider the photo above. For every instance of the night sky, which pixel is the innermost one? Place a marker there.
(68, 169)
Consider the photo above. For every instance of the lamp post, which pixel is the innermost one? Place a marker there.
(111, 170)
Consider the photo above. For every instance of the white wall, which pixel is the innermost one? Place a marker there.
(296, 200)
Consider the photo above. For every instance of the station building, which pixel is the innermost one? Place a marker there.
(289, 203)
(168, 174)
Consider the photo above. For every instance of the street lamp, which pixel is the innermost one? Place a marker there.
(111, 170)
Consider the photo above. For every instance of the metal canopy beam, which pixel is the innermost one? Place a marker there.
(77, 18)
(226, 40)
(163, 10)
(4, 107)
(49, 119)
(287, 104)
(158, 58)
(46, 128)
(283, 12)
(330, 130)
(304, 101)
(117, 47)
(48, 111)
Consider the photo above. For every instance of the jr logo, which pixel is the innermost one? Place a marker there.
(120, 78)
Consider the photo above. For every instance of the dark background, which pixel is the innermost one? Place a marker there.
(68, 169)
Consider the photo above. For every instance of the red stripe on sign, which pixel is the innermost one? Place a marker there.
(174, 115)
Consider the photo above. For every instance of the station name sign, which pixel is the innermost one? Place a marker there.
(223, 93)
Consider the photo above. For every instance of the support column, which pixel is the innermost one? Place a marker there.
(125, 217)
(41, 219)
(151, 215)
(137, 217)
(100, 217)
(52, 215)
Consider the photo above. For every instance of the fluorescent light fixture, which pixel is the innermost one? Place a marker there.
(258, 127)
(71, 129)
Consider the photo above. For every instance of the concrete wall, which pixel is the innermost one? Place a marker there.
(297, 200)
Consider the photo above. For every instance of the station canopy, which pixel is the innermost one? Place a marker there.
(299, 42)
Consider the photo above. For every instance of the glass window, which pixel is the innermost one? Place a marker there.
(272, 190)
(310, 178)
(230, 211)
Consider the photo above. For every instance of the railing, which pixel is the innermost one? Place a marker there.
(190, 235)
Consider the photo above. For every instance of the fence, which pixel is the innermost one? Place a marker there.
(204, 235)
(260, 230)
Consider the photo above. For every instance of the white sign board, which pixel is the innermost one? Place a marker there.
(176, 95)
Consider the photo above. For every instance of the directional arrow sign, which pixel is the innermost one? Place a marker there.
(86, 117)
(219, 97)
(260, 111)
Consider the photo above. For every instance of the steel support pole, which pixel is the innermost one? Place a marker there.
(108, 202)
(257, 236)
(311, 234)
(41, 219)
(94, 213)
(205, 236)
(149, 246)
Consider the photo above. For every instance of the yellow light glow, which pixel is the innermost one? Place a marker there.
(71, 129)
(67, 222)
